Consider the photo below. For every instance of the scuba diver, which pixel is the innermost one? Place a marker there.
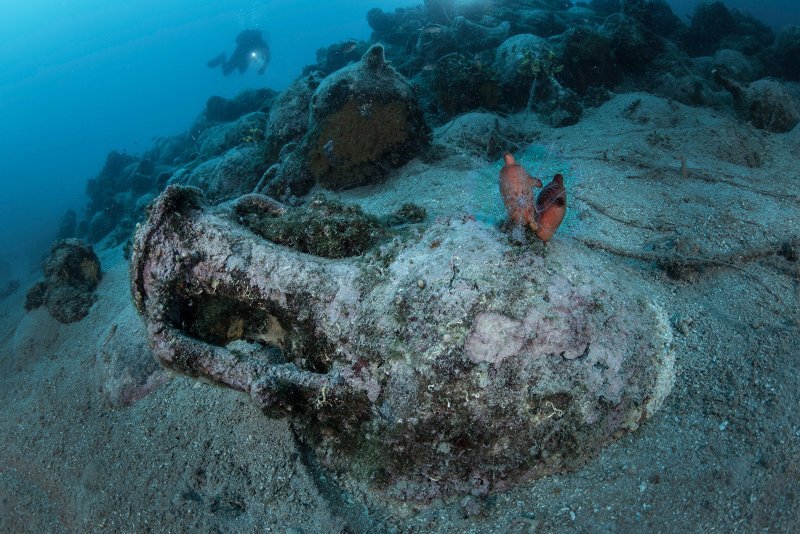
(250, 48)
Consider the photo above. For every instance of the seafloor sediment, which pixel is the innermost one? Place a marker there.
(682, 183)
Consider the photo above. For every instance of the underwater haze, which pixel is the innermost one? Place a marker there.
(438, 266)
(81, 78)
(775, 13)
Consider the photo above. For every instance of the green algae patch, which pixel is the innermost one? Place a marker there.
(323, 227)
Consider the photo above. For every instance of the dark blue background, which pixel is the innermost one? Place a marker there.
(79, 78)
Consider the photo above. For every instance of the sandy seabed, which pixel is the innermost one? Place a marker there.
(699, 209)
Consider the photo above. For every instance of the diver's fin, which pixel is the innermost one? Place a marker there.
(217, 61)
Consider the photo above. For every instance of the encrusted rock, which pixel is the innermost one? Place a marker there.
(219, 109)
(633, 45)
(765, 103)
(541, 22)
(587, 60)
(736, 65)
(481, 134)
(339, 54)
(528, 71)
(245, 130)
(72, 272)
(520, 61)
(505, 364)
(385, 26)
(228, 176)
(472, 75)
(654, 14)
(714, 26)
(782, 55)
(606, 7)
(288, 118)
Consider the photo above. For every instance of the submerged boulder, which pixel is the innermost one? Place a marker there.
(588, 60)
(765, 103)
(519, 62)
(714, 26)
(633, 45)
(113, 194)
(541, 22)
(288, 118)
(710, 23)
(474, 79)
(656, 15)
(219, 109)
(782, 56)
(235, 172)
(386, 26)
(481, 134)
(528, 73)
(242, 131)
(736, 65)
(72, 272)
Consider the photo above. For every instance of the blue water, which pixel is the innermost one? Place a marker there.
(775, 13)
(80, 78)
